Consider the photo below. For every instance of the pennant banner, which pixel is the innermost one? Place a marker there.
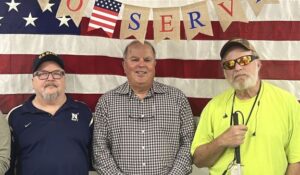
(229, 11)
(166, 23)
(75, 9)
(134, 22)
(195, 17)
(196, 20)
(105, 15)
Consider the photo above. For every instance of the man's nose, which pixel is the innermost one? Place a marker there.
(237, 66)
(141, 62)
(50, 77)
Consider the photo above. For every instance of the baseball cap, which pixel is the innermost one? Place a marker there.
(238, 42)
(46, 56)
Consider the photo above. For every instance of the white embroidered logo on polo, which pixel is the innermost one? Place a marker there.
(28, 124)
(75, 117)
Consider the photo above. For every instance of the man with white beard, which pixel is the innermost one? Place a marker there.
(253, 127)
(51, 132)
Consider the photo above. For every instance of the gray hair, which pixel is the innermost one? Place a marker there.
(135, 42)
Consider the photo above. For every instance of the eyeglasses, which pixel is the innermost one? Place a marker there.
(243, 61)
(44, 75)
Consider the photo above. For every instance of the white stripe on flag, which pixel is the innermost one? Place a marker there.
(99, 84)
(185, 50)
(103, 21)
(105, 14)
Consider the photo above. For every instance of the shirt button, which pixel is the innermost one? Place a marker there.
(142, 115)
(143, 131)
(143, 164)
(143, 147)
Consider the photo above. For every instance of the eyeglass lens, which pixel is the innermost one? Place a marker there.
(43, 75)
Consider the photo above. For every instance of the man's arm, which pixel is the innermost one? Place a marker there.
(293, 152)
(4, 145)
(206, 155)
(103, 161)
(183, 162)
(293, 169)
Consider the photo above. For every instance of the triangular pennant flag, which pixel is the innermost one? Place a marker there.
(43, 3)
(166, 23)
(134, 22)
(257, 5)
(75, 9)
(105, 15)
(196, 19)
(229, 11)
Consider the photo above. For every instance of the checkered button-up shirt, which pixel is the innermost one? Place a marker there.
(143, 137)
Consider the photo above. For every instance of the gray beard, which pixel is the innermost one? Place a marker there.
(50, 97)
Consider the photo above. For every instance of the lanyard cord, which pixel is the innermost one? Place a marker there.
(251, 107)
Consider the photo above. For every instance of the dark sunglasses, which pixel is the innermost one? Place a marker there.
(243, 61)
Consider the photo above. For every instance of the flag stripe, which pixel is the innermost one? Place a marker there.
(93, 84)
(98, 21)
(107, 13)
(182, 50)
(111, 21)
(180, 68)
(103, 25)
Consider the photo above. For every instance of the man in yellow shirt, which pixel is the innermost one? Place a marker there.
(264, 139)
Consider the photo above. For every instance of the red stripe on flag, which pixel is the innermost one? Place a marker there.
(101, 25)
(21, 64)
(104, 18)
(105, 11)
(9, 101)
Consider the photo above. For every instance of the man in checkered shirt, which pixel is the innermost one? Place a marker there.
(142, 127)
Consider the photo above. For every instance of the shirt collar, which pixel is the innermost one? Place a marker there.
(157, 88)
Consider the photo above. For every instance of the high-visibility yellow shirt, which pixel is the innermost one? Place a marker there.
(273, 137)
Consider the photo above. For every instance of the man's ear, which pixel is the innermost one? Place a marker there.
(259, 64)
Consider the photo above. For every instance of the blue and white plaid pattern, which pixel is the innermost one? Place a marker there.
(143, 137)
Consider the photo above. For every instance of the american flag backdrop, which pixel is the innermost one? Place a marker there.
(93, 60)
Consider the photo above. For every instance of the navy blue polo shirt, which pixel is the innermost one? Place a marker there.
(51, 145)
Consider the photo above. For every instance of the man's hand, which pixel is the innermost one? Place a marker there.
(233, 136)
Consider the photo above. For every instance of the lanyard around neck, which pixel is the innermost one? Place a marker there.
(233, 100)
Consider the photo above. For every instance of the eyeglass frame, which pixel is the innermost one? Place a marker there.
(238, 61)
(60, 75)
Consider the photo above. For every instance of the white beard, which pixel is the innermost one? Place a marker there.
(250, 81)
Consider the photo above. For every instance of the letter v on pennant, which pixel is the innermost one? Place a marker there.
(230, 12)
